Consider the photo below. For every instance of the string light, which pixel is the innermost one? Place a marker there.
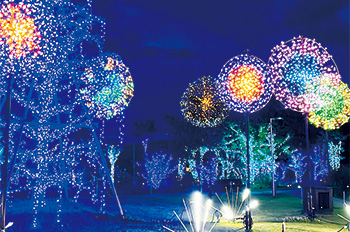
(334, 108)
(245, 84)
(201, 105)
(296, 65)
(55, 138)
(109, 86)
(156, 168)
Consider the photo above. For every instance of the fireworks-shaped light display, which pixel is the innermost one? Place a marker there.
(296, 66)
(245, 84)
(109, 86)
(18, 30)
(201, 105)
(333, 108)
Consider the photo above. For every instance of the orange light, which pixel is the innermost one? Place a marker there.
(246, 84)
(111, 64)
(19, 31)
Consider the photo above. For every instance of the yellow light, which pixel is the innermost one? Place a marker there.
(246, 84)
(111, 64)
(19, 31)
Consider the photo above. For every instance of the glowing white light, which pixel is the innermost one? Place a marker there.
(246, 193)
(227, 212)
(254, 204)
(208, 205)
(197, 209)
(347, 208)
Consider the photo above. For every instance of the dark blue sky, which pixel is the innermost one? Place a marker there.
(169, 44)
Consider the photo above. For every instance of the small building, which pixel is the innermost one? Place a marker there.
(319, 199)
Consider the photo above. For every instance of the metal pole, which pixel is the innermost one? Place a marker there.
(273, 157)
(133, 162)
(248, 219)
(248, 155)
(272, 161)
(310, 206)
(308, 150)
(5, 154)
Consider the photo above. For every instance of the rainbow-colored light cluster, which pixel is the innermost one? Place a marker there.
(333, 109)
(201, 105)
(109, 86)
(18, 30)
(296, 65)
(244, 83)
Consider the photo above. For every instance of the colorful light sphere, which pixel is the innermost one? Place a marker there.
(296, 65)
(201, 104)
(245, 84)
(333, 109)
(109, 86)
(18, 30)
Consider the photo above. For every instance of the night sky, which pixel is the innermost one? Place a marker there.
(169, 44)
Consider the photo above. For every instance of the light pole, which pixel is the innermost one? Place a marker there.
(273, 158)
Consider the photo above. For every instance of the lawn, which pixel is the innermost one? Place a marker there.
(271, 213)
(152, 212)
(267, 217)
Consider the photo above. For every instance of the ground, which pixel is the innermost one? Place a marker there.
(152, 212)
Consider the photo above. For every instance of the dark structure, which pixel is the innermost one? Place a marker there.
(318, 200)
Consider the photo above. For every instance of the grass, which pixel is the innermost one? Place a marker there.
(150, 212)
(271, 213)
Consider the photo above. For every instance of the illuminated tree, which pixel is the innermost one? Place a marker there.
(156, 168)
(209, 171)
(202, 168)
(298, 165)
(320, 161)
(233, 158)
(334, 151)
(113, 154)
(201, 105)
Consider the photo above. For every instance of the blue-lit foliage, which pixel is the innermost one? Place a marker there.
(156, 168)
(320, 162)
(113, 155)
(203, 169)
(334, 151)
(233, 160)
(298, 165)
(230, 155)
